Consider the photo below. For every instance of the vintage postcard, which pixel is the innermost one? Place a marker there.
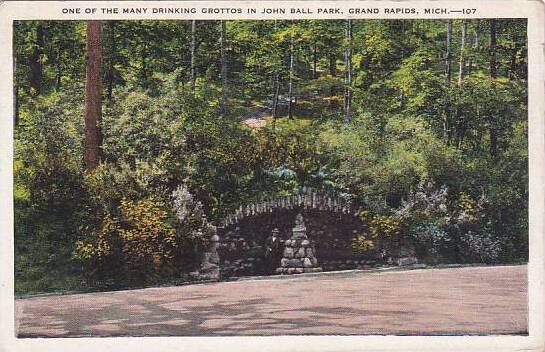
(280, 175)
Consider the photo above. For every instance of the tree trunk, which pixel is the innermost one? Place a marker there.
(347, 72)
(492, 52)
(475, 46)
(111, 61)
(275, 96)
(192, 53)
(93, 103)
(332, 73)
(401, 94)
(223, 63)
(513, 64)
(493, 74)
(36, 69)
(448, 65)
(332, 64)
(290, 83)
(513, 61)
(314, 61)
(58, 74)
(15, 94)
(462, 54)
(460, 120)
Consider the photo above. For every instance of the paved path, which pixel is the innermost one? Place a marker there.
(474, 300)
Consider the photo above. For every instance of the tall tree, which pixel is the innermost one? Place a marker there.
(193, 76)
(111, 60)
(36, 67)
(93, 91)
(493, 74)
(291, 72)
(474, 46)
(314, 60)
(347, 71)
(58, 68)
(448, 67)
(275, 95)
(461, 62)
(333, 36)
(15, 94)
(223, 64)
(460, 119)
(492, 50)
(276, 85)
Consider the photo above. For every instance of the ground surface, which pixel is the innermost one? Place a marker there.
(474, 300)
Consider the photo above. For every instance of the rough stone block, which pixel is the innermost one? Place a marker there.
(298, 270)
(300, 253)
(294, 263)
(407, 261)
(307, 263)
(288, 252)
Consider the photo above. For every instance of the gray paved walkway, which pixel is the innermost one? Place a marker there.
(475, 300)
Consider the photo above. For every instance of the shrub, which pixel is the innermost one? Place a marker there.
(480, 247)
(361, 244)
(148, 239)
(382, 230)
(193, 228)
(384, 226)
(140, 239)
(431, 241)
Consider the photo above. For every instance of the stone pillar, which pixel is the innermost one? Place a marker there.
(210, 263)
(299, 254)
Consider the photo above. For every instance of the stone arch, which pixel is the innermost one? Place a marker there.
(307, 199)
(330, 220)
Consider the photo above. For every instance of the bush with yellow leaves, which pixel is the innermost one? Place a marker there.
(139, 240)
(384, 226)
(380, 227)
(361, 244)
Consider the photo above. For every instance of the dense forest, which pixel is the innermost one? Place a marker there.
(133, 137)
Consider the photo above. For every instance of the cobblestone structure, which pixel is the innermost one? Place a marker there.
(306, 200)
(242, 246)
(298, 252)
(330, 224)
(210, 264)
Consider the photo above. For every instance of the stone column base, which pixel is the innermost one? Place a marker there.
(290, 271)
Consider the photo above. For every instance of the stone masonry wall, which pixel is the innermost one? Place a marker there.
(241, 247)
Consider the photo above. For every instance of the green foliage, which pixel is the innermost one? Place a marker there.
(440, 164)
(49, 194)
(139, 241)
(384, 226)
(360, 244)
(382, 164)
(382, 229)
(291, 145)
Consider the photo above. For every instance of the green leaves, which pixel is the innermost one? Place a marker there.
(408, 125)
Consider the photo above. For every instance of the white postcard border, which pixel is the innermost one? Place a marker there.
(532, 10)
